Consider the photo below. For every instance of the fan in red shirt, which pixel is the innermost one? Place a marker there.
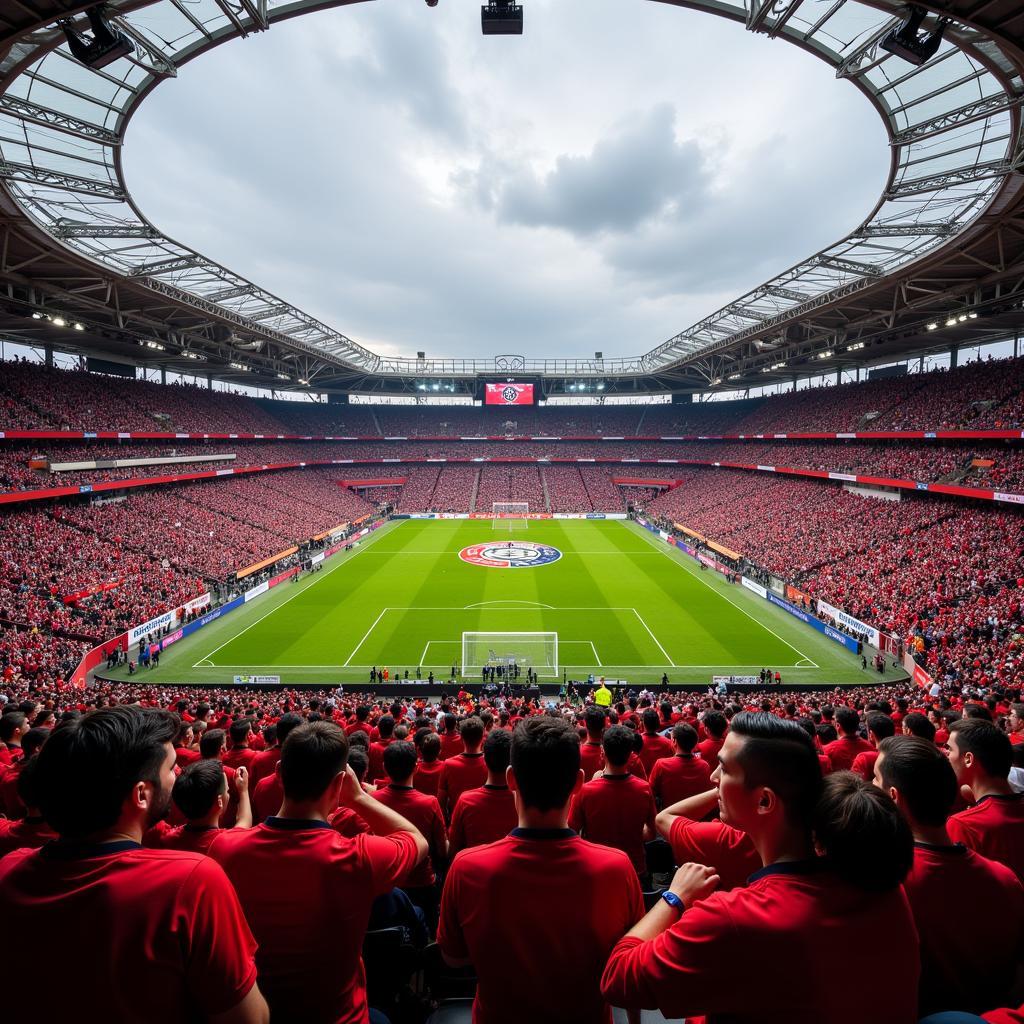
(463, 771)
(537, 913)
(166, 926)
(306, 890)
(655, 745)
(487, 813)
(729, 851)
(268, 793)
(880, 727)
(385, 737)
(591, 752)
(1015, 723)
(716, 725)
(240, 755)
(451, 740)
(201, 795)
(616, 809)
(13, 725)
(682, 775)
(981, 756)
(10, 801)
(428, 769)
(184, 752)
(425, 813)
(957, 973)
(31, 830)
(844, 908)
(843, 751)
(264, 764)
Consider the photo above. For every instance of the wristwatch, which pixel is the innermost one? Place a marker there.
(673, 900)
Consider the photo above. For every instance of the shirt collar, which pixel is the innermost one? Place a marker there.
(615, 778)
(61, 849)
(488, 785)
(295, 824)
(542, 833)
(811, 866)
(999, 796)
(949, 849)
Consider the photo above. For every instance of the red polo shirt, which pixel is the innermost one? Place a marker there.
(376, 755)
(427, 776)
(591, 758)
(30, 833)
(792, 917)
(843, 751)
(537, 914)
(613, 810)
(307, 892)
(264, 764)
(168, 934)
(183, 756)
(10, 802)
(461, 772)
(267, 797)
(482, 815)
(425, 813)
(348, 823)
(193, 838)
(240, 757)
(708, 749)
(655, 747)
(958, 972)
(993, 827)
(677, 777)
(451, 744)
(726, 849)
(864, 764)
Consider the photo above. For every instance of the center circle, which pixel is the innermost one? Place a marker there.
(510, 554)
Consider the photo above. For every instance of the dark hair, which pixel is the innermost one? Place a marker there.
(594, 719)
(918, 725)
(311, 757)
(28, 791)
(359, 739)
(617, 744)
(399, 760)
(715, 724)
(923, 776)
(87, 768)
(211, 743)
(990, 746)
(197, 787)
(10, 723)
(471, 731)
(33, 741)
(779, 754)
(977, 711)
(286, 723)
(848, 720)
(359, 761)
(497, 751)
(865, 838)
(685, 737)
(430, 747)
(545, 761)
(651, 721)
(881, 725)
(240, 730)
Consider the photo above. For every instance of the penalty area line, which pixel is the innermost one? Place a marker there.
(655, 639)
(365, 635)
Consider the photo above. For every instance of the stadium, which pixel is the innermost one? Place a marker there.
(346, 683)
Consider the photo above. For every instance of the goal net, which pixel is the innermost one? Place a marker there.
(510, 515)
(538, 651)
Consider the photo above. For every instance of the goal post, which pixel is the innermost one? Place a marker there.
(510, 509)
(538, 651)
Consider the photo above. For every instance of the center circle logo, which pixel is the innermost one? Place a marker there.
(510, 554)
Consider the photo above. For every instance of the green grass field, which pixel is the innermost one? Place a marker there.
(624, 605)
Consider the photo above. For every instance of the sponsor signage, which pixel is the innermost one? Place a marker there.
(257, 680)
(152, 626)
(256, 591)
(824, 608)
(755, 587)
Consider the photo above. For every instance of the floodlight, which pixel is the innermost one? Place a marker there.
(501, 18)
(107, 44)
(907, 42)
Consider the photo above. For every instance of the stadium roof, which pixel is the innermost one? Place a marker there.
(945, 240)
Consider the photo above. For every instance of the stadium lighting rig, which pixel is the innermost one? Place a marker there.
(107, 43)
(908, 42)
(498, 17)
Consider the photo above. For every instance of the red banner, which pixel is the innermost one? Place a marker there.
(508, 394)
(96, 588)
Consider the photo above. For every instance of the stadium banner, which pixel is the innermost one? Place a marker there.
(815, 623)
(204, 620)
(508, 394)
(796, 595)
(755, 587)
(873, 635)
(256, 591)
(153, 625)
(1017, 499)
(286, 575)
(257, 680)
(195, 604)
(316, 558)
(736, 680)
(96, 588)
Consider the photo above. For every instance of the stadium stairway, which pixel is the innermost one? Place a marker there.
(544, 486)
(473, 493)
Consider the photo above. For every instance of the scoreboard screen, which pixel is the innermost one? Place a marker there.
(508, 394)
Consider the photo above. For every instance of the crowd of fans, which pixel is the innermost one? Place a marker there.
(317, 855)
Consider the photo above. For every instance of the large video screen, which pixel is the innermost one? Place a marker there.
(508, 394)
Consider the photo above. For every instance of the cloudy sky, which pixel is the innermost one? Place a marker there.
(618, 172)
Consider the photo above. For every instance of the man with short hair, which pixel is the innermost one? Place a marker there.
(428, 769)
(682, 775)
(30, 828)
(981, 756)
(487, 813)
(268, 793)
(524, 910)
(880, 727)
(184, 753)
(591, 751)
(13, 725)
(240, 753)
(385, 737)
(716, 726)
(846, 909)
(265, 762)
(655, 745)
(173, 939)
(10, 801)
(307, 890)
(1015, 723)
(957, 973)
(843, 751)
(451, 740)
(463, 771)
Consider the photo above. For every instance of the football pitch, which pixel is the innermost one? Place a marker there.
(624, 605)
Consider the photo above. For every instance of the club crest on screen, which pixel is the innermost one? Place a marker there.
(517, 554)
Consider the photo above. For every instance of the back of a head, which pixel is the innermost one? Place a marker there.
(685, 737)
(778, 754)
(594, 720)
(450, 722)
(918, 725)
(312, 756)
(881, 725)
(430, 747)
(618, 744)
(197, 787)
(545, 762)
(399, 760)
(990, 746)
(33, 740)
(862, 833)
(385, 727)
(239, 731)
(359, 762)
(715, 724)
(285, 724)
(472, 731)
(497, 751)
(87, 768)
(922, 775)
(651, 721)
(28, 791)
(848, 720)
(211, 743)
(10, 723)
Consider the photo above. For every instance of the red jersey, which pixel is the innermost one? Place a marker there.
(482, 815)
(263, 764)
(10, 802)
(790, 914)
(28, 833)
(614, 810)
(307, 893)
(183, 756)
(425, 813)
(993, 827)
(345, 821)
(677, 777)
(376, 755)
(240, 757)
(864, 764)
(267, 797)
(655, 747)
(193, 838)
(958, 972)
(537, 913)
(451, 744)
(174, 940)
(461, 772)
(708, 749)
(427, 776)
(726, 849)
(843, 751)
(591, 758)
